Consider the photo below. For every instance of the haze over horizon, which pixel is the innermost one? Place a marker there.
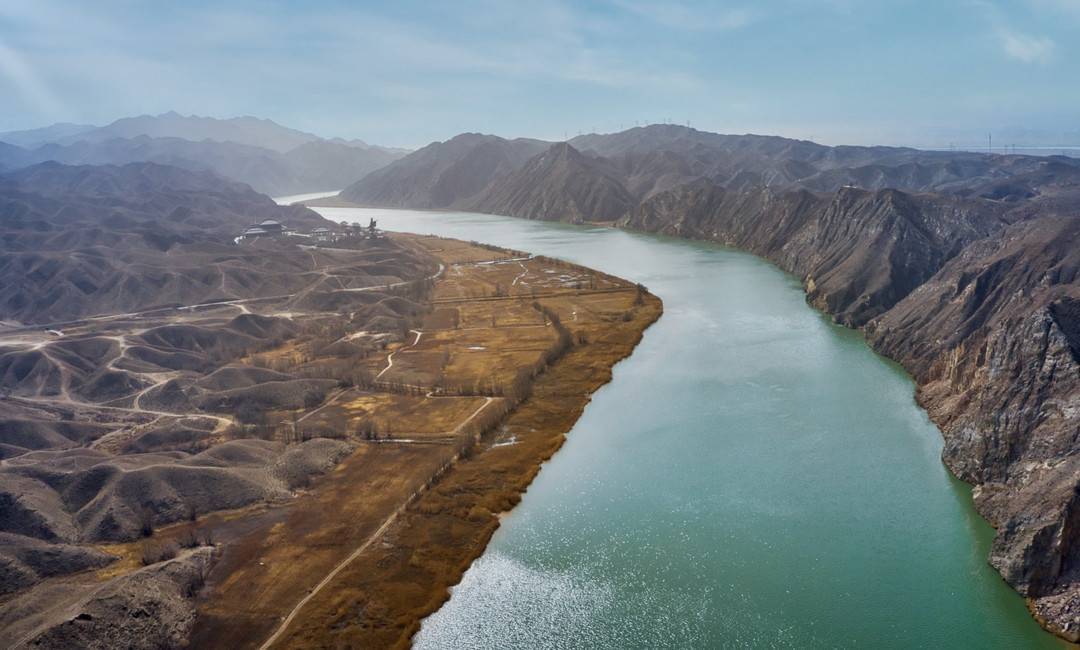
(838, 72)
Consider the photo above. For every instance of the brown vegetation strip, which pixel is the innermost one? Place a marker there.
(545, 295)
(255, 582)
(378, 599)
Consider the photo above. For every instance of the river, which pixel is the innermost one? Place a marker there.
(753, 476)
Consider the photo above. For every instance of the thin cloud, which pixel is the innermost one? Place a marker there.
(1017, 45)
(1066, 6)
(1025, 47)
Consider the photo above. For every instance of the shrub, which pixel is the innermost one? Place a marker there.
(188, 539)
(146, 521)
(153, 552)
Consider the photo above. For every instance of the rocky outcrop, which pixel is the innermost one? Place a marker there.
(992, 340)
(149, 608)
(859, 251)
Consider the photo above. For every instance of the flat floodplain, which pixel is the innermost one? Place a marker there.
(396, 537)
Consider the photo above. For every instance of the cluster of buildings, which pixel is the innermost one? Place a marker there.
(272, 228)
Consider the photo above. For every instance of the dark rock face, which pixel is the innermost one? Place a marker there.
(150, 608)
(860, 252)
(991, 339)
(965, 268)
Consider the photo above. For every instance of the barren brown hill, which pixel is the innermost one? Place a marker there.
(79, 241)
(152, 401)
(444, 174)
(152, 449)
(560, 184)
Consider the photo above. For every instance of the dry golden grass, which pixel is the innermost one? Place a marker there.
(483, 331)
(455, 251)
(379, 599)
(409, 416)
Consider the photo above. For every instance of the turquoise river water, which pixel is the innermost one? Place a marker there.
(753, 476)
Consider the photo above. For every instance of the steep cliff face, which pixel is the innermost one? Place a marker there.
(993, 340)
(981, 304)
(860, 252)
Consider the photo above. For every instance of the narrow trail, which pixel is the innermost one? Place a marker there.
(204, 305)
(390, 358)
(70, 403)
(138, 396)
(65, 373)
(329, 402)
(329, 577)
(519, 276)
(121, 341)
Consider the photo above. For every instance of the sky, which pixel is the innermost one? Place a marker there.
(922, 73)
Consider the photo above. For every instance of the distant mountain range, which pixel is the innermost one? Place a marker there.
(271, 158)
(964, 267)
(473, 171)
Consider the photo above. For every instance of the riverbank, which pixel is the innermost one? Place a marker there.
(506, 332)
(954, 390)
(379, 599)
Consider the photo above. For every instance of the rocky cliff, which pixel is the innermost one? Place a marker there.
(981, 305)
(859, 251)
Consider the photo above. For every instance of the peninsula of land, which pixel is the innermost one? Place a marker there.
(298, 436)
